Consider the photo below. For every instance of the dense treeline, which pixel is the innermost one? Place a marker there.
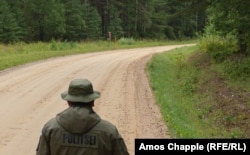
(77, 20)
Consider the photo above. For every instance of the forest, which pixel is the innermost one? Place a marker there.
(76, 20)
(80, 20)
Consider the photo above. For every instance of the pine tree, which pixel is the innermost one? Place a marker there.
(93, 22)
(115, 27)
(158, 18)
(75, 24)
(55, 21)
(45, 20)
(8, 24)
(17, 7)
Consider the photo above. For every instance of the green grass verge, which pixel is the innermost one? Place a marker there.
(175, 84)
(22, 53)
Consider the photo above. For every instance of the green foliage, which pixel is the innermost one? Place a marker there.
(9, 27)
(75, 24)
(115, 23)
(55, 22)
(231, 16)
(239, 69)
(57, 46)
(184, 19)
(93, 22)
(156, 26)
(219, 48)
(126, 41)
(54, 45)
(46, 20)
(17, 7)
(77, 20)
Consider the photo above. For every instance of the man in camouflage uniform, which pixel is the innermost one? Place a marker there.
(78, 130)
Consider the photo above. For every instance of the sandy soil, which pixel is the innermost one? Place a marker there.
(30, 95)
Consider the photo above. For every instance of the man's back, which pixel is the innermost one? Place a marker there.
(79, 131)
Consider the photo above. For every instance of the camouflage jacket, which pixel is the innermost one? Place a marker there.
(80, 131)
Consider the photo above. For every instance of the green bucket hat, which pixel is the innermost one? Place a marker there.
(80, 90)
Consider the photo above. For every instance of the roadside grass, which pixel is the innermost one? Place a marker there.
(21, 53)
(172, 83)
(185, 87)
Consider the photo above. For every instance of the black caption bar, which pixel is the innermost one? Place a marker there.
(163, 146)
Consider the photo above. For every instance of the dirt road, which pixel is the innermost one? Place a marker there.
(30, 95)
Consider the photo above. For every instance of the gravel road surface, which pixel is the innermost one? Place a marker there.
(30, 95)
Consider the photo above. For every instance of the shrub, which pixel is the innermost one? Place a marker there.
(219, 48)
(126, 41)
